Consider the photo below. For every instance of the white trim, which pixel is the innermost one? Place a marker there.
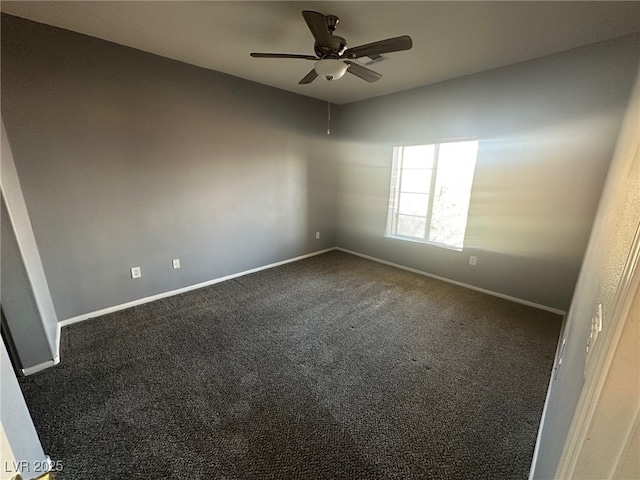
(58, 339)
(140, 301)
(40, 366)
(455, 282)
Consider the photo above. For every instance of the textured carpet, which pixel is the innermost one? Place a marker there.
(330, 367)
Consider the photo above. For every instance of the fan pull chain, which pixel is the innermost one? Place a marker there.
(329, 107)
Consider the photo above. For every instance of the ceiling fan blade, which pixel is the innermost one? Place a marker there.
(389, 45)
(282, 55)
(317, 23)
(363, 72)
(309, 77)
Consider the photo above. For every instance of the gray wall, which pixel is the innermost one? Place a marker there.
(130, 159)
(547, 130)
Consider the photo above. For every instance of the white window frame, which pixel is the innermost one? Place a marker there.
(394, 199)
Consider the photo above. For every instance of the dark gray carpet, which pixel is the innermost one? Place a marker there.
(330, 367)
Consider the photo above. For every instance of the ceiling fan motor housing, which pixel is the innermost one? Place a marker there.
(334, 50)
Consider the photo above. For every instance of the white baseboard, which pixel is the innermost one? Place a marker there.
(41, 366)
(141, 301)
(455, 282)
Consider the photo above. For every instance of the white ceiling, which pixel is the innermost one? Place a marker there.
(450, 39)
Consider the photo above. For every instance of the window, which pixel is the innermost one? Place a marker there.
(430, 192)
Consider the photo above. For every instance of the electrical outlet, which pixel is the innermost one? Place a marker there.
(135, 272)
(176, 263)
(473, 259)
(317, 235)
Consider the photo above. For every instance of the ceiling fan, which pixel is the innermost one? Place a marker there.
(333, 58)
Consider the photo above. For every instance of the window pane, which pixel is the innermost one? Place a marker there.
(456, 164)
(411, 226)
(443, 200)
(458, 155)
(418, 156)
(414, 203)
(417, 181)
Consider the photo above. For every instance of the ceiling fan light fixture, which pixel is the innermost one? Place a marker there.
(330, 68)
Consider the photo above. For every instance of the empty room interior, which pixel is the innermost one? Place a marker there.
(365, 240)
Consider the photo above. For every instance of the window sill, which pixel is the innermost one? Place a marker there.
(425, 242)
